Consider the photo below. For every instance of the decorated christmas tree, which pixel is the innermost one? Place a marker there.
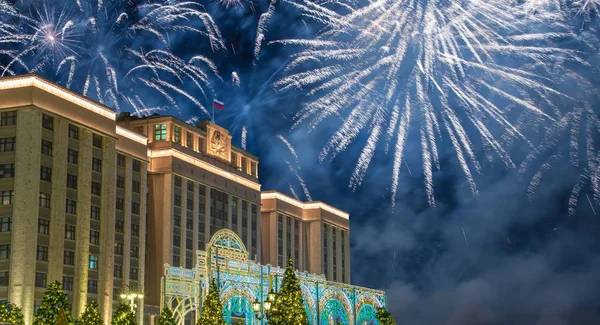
(384, 317)
(166, 317)
(123, 315)
(212, 310)
(61, 318)
(54, 300)
(91, 315)
(10, 313)
(288, 308)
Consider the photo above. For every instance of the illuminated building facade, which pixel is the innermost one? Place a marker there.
(73, 187)
(111, 204)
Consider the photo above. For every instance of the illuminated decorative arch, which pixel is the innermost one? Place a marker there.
(367, 298)
(334, 312)
(309, 304)
(367, 315)
(335, 294)
(181, 306)
(238, 305)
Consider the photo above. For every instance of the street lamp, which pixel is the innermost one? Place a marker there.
(132, 295)
(261, 309)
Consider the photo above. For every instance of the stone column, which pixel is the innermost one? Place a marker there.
(107, 226)
(82, 239)
(25, 210)
(195, 226)
(58, 199)
(142, 244)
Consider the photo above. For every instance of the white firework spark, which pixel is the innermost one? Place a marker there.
(112, 50)
(456, 68)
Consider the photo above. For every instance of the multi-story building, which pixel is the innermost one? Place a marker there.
(73, 187)
(198, 184)
(314, 234)
(102, 203)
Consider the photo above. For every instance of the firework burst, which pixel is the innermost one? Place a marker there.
(458, 70)
(112, 50)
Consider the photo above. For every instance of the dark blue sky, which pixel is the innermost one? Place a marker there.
(498, 258)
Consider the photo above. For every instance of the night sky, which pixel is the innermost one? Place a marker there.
(502, 257)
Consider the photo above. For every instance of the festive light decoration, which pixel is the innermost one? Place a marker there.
(384, 317)
(123, 315)
(91, 315)
(288, 308)
(61, 318)
(55, 301)
(212, 310)
(10, 313)
(166, 317)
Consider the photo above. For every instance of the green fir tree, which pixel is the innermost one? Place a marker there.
(123, 315)
(166, 317)
(288, 308)
(91, 315)
(212, 310)
(10, 313)
(61, 318)
(384, 317)
(54, 300)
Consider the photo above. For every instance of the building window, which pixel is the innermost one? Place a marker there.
(137, 165)
(7, 197)
(190, 204)
(133, 273)
(135, 229)
(71, 207)
(135, 251)
(4, 252)
(119, 226)
(177, 220)
(96, 189)
(48, 122)
(139, 130)
(8, 118)
(177, 181)
(7, 170)
(46, 174)
(244, 164)
(73, 132)
(177, 200)
(118, 271)
(93, 286)
(135, 187)
(97, 165)
(97, 140)
(69, 258)
(120, 160)
(93, 262)
(4, 279)
(71, 181)
(95, 213)
(160, 132)
(253, 168)
(7, 144)
(44, 200)
(42, 253)
(118, 248)
(44, 226)
(135, 208)
(70, 232)
(188, 262)
(46, 147)
(67, 283)
(189, 223)
(40, 279)
(94, 237)
(73, 156)
(120, 204)
(5, 224)
(189, 243)
(176, 134)
(190, 140)
(176, 260)
(176, 240)
(120, 181)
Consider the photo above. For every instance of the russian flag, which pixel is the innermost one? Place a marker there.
(218, 104)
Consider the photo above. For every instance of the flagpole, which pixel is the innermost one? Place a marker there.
(213, 117)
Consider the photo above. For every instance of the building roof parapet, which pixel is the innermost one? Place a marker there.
(304, 205)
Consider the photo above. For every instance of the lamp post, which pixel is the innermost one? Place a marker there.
(132, 295)
(261, 308)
